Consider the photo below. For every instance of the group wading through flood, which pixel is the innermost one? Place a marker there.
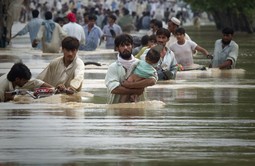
(202, 117)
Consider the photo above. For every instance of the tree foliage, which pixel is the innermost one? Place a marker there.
(238, 14)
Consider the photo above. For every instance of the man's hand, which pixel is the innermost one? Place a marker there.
(34, 43)
(9, 96)
(209, 56)
(61, 87)
(127, 84)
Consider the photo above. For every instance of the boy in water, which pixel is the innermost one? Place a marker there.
(144, 69)
(18, 77)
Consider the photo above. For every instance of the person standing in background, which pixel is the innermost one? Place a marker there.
(225, 51)
(74, 29)
(93, 34)
(32, 27)
(167, 63)
(183, 50)
(111, 30)
(50, 35)
(173, 24)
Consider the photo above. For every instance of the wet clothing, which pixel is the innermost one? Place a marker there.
(56, 73)
(173, 39)
(140, 53)
(115, 75)
(145, 70)
(75, 30)
(184, 52)
(32, 27)
(6, 85)
(229, 52)
(51, 41)
(109, 43)
(168, 62)
(92, 38)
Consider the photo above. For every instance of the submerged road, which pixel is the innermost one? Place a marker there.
(201, 118)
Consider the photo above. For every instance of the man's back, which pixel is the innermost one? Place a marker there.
(75, 30)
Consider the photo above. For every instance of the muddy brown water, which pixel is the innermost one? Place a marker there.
(201, 118)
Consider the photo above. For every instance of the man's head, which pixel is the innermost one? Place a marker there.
(173, 23)
(227, 35)
(86, 17)
(153, 55)
(180, 34)
(124, 44)
(19, 74)
(70, 47)
(111, 19)
(145, 40)
(162, 36)
(92, 20)
(48, 15)
(71, 17)
(35, 13)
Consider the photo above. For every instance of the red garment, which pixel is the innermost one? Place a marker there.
(71, 17)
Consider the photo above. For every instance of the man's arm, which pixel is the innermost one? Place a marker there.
(121, 90)
(226, 65)
(139, 84)
(76, 82)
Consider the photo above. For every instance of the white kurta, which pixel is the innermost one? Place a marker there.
(6, 85)
(75, 30)
(56, 73)
(57, 36)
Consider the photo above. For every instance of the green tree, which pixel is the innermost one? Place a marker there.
(238, 14)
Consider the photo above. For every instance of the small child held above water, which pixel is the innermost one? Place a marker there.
(144, 70)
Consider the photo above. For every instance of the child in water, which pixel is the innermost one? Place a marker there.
(144, 70)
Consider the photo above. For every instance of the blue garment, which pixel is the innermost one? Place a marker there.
(145, 70)
(168, 62)
(92, 38)
(109, 44)
(49, 27)
(32, 27)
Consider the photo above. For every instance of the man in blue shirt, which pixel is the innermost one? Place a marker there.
(93, 34)
(32, 27)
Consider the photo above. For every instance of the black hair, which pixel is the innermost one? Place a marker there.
(163, 31)
(48, 15)
(228, 30)
(92, 17)
(180, 31)
(125, 11)
(144, 40)
(35, 13)
(153, 55)
(19, 70)
(152, 38)
(112, 16)
(123, 39)
(70, 43)
(158, 23)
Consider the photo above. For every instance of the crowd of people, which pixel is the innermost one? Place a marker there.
(162, 53)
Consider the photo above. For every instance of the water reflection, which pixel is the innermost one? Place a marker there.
(201, 118)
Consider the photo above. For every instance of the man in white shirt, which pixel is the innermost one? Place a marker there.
(74, 29)
(173, 24)
(66, 72)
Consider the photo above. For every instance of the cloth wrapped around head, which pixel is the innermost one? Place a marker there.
(71, 17)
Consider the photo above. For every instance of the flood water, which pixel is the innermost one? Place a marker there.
(201, 118)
